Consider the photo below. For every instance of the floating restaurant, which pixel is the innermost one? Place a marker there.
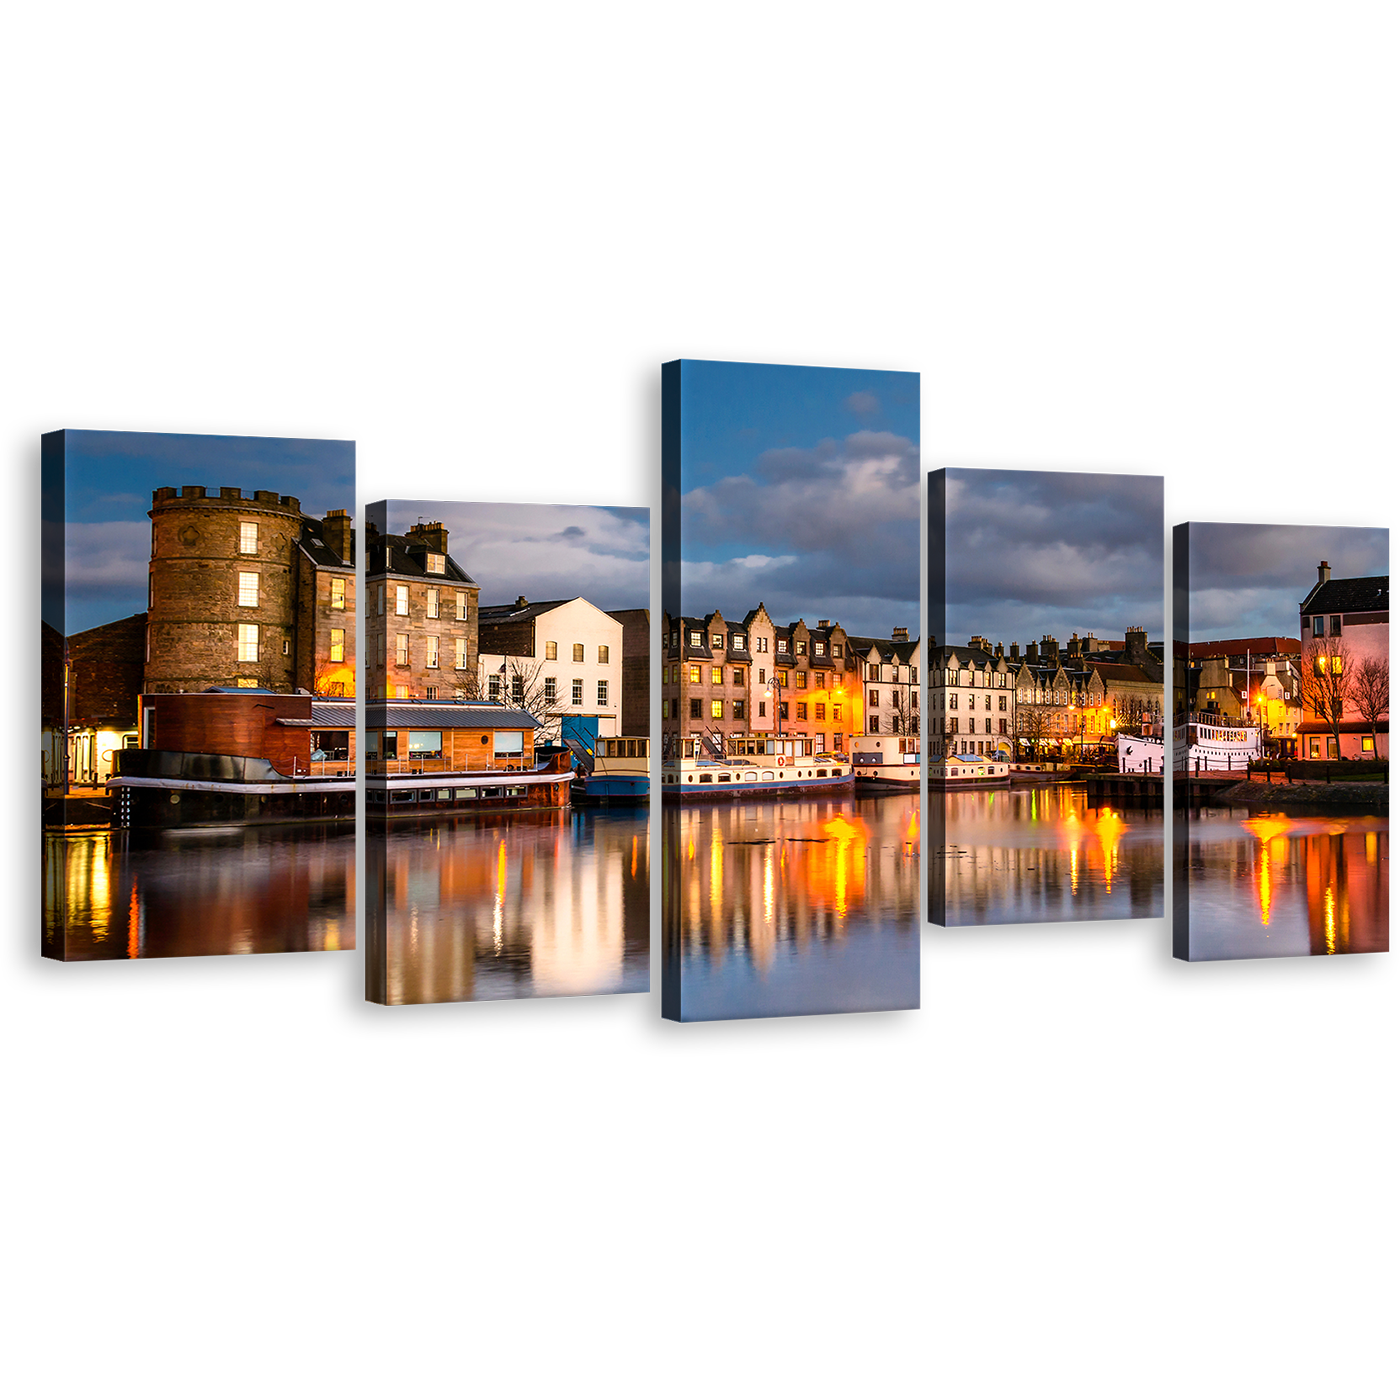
(223, 756)
(452, 757)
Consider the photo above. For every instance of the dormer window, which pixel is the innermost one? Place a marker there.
(696, 639)
(437, 564)
(716, 642)
(738, 641)
(818, 648)
(782, 644)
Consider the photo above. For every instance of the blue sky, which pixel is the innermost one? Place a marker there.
(800, 489)
(109, 480)
(543, 552)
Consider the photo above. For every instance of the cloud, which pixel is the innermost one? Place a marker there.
(862, 404)
(107, 557)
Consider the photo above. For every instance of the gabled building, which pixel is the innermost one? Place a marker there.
(972, 692)
(1343, 624)
(888, 669)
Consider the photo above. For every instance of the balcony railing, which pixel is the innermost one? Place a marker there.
(416, 763)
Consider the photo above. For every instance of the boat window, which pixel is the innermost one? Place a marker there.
(509, 741)
(724, 777)
(444, 794)
(464, 794)
(706, 778)
(821, 772)
(767, 775)
(424, 743)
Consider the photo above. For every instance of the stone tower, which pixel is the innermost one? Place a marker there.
(223, 589)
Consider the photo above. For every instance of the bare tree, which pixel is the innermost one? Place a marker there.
(1033, 724)
(1328, 672)
(518, 681)
(1370, 693)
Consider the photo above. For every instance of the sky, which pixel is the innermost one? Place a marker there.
(1037, 553)
(800, 490)
(1248, 580)
(601, 553)
(109, 479)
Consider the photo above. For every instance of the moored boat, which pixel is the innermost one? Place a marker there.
(620, 774)
(761, 776)
(885, 763)
(968, 770)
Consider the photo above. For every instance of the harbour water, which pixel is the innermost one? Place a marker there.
(1043, 854)
(524, 904)
(791, 908)
(1276, 884)
(199, 891)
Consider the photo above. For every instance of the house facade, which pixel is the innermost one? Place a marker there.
(556, 658)
(421, 630)
(1344, 625)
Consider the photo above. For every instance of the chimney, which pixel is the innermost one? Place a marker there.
(824, 623)
(898, 634)
(1015, 651)
(432, 535)
(1032, 654)
(1050, 648)
(998, 652)
(1324, 572)
(1135, 643)
(335, 530)
(522, 601)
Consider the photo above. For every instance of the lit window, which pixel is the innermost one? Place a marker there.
(459, 648)
(802, 680)
(873, 726)
(247, 683)
(400, 600)
(401, 648)
(578, 651)
(782, 677)
(432, 602)
(695, 639)
(818, 648)
(247, 537)
(576, 693)
(836, 712)
(432, 643)
(695, 675)
(802, 648)
(782, 644)
(716, 641)
(247, 641)
(716, 675)
(338, 594)
(716, 709)
(801, 710)
(337, 644)
(551, 651)
(437, 564)
(819, 711)
(247, 590)
(602, 656)
(740, 641)
(875, 699)
(602, 692)
(763, 644)
(461, 606)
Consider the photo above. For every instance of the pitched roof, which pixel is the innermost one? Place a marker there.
(437, 714)
(1340, 595)
(1238, 646)
(319, 552)
(390, 554)
(515, 612)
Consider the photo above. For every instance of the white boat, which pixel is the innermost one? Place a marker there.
(1140, 753)
(967, 770)
(1207, 742)
(764, 776)
(886, 762)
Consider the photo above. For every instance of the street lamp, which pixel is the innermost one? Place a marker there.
(775, 690)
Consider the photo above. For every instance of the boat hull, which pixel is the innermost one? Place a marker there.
(761, 790)
(611, 791)
(455, 794)
(153, 803)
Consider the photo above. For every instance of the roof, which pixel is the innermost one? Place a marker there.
(907, 652)
(319, 552)
(396, 554)
(401, 714)
(1238, 646)
(1342, 595)
(333, 714)
(510, 612)
(1122, 671)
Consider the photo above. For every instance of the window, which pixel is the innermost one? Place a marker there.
(739, 677)
(437, 564)
(802, 680)
(379, 599)
(247, 641)
(493, 686)
(432, 602)
(782, 709)
(802, 648)
(695, 709)
(695, 639)
(762, 709)
(875, 699)
(716, 641)
(1001, 702)
(801, 710)
(716, 709)
(1002, 723)
(602, 692)
(762, 676)
(338, 594)
(430, 692)
(988, 729)
(247, 537)
(1336, 626)
(461, 606)
(665, 709)
(576, 693)
(738, 641)
(819, 679)
(379, 648)
(425, 743)
(836, 649)
(337, 644)
(763, 644)
(247, 590)
(782, 677)
(401, 648)
(459, 650)
(551, 690)
(517, 689)
(551, 651)
(1319, 627)
(818, 711)
(1368, 745)
(400, 600)
(578, 651)
(247, 683)
(695, 675)
(818, 648)
(716, 675)
(510, 741)
(738, 709)
(836, 712)
(986, 702)
(602, 656)
(782, 644)
(432, 645)
(873, 725)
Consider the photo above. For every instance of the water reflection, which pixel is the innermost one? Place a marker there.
(1042, 855)
(256, 889)
(791, 908)
(514, 905)
(1287, 884)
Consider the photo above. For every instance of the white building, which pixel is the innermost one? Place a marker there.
(557, 658)
(972, 690)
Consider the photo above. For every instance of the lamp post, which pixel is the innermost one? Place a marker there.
(775, 689)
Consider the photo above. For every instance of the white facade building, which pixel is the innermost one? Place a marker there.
(565, 657)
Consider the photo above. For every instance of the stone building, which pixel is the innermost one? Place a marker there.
(972, 698)
(729, 687)
(247, 591)
(104, 680)
(421, 629)
(889, 668)
(636, 669)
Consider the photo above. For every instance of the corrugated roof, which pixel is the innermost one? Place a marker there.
(393, 714)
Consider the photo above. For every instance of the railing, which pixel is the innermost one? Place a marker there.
(389, 767)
